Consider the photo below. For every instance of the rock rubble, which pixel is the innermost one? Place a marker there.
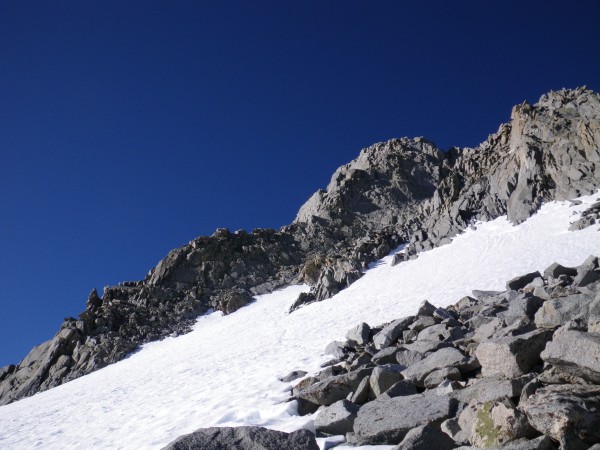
(484, 378)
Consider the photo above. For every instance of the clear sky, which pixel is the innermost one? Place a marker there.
(129, 128)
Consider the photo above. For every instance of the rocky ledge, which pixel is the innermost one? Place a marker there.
(518, 370)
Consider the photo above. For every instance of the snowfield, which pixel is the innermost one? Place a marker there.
(227, 370)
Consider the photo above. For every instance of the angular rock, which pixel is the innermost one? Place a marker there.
(426, 437)
(539, 443)
(294, 375)
(555, 270)
(585, 277)
(390, 333)
(362, 393)
(335, 388)
(426, 309)
(438, 376)
(575, 352)
(521, 281)
(386, 356)
(407, 357)
(337, 418)
(445, 357)
(495, 423)
(244, 438)
(388, 421)
(492, 388)
(359, 334)
(401, 388)
(558, 311)
(384, 377)
(567, 413)
(512, 356)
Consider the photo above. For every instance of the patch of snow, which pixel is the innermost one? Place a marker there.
(226, 371)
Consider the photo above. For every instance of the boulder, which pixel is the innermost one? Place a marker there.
(575, 352)
(244, 438)
(437, 376)
(387, 421)
(426, 437)
(294, 375)
(426, 309)
(359, 335)
(384, 377)
(558, 311)
(521, 281)
(567, 413)
(386, 356)
(539, 443)
(362, 393)
(390, 333)
(445, 357)
(334, 388)
(494, 423)
(555, 270)
(492, 388)
(512, 356)
(337, 418)
(407, 357)
(401, 388)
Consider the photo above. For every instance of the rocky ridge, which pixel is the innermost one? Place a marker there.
(518, 369)
(403, 190)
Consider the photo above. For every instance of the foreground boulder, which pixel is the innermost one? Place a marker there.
(570, 414)
(575, 352)
(244, 438)
(387, 421)
(512, 356)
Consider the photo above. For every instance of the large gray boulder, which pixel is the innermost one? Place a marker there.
(391, 332)
(445, 357)
(334, 388)
(492, 388)
(337, 418)
(557, 312)
(521, 281)
(567, 413)
(512, 356)
(494, 423)
(384, 377)
(575, 352)
(427, 437)
(244, 438)
(388, 421)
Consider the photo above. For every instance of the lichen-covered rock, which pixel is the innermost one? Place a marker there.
(493, 423)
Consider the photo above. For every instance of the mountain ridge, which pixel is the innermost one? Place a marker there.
(402, 190)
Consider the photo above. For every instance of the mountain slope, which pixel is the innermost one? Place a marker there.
(225, 372)
(400, 191)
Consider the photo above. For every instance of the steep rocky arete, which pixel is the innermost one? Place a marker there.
(400, 191)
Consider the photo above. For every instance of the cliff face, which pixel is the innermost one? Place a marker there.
(403, 190)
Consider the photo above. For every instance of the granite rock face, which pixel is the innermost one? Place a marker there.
(403, 191)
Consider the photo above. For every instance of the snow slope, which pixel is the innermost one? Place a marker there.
(226, 370)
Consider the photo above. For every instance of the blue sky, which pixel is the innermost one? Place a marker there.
(129, 128)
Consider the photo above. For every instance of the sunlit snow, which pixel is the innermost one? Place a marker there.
(226, 371)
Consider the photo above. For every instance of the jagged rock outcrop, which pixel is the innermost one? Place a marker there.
(469, 387)
(400, 191)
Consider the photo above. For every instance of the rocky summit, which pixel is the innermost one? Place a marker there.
(400, 191)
